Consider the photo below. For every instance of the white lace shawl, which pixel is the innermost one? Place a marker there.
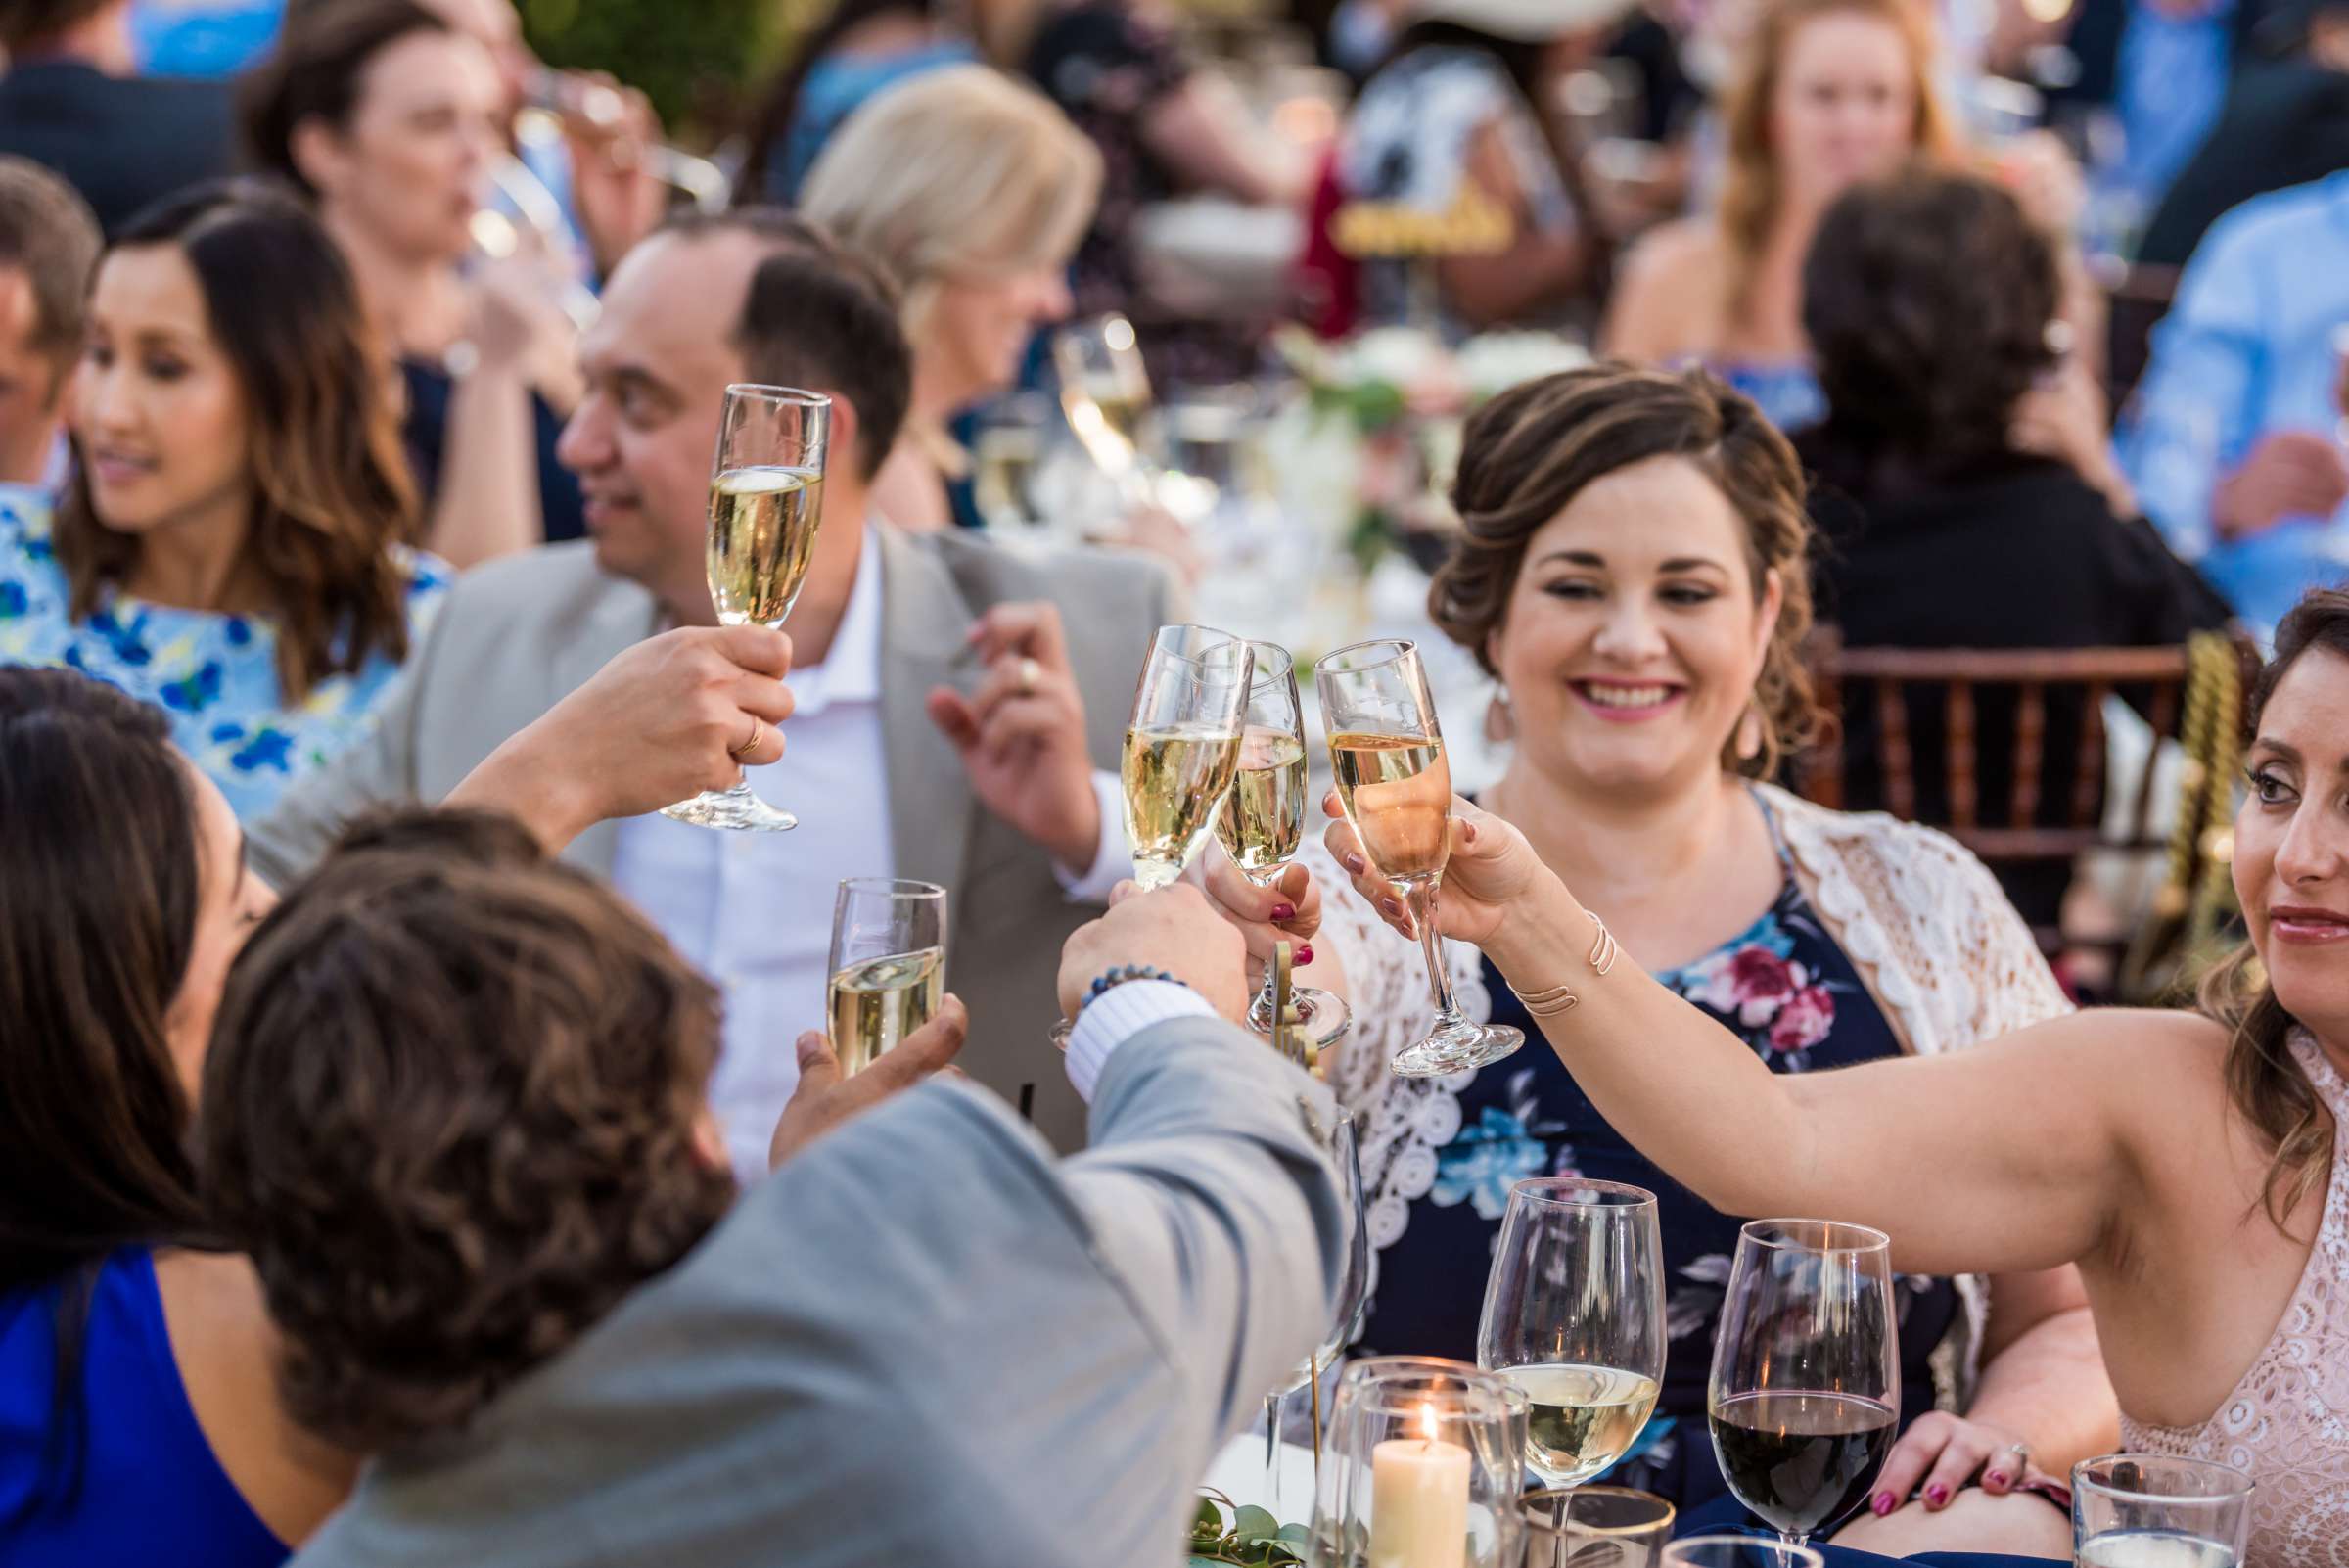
(1924, 923)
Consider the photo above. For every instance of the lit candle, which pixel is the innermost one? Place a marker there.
(1420, 1501)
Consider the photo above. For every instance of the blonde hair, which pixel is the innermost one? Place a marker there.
(960, 172)
(1750, 192)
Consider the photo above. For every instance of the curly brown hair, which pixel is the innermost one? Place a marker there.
(2264, 1084)
(450, 1112)
(1530, 451)
(1927, 297)
(331, 493)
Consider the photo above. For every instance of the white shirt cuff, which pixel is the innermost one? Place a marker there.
(1113, 861)
(1116, 1016)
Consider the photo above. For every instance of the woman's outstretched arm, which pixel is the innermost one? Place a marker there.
(2011, 1156)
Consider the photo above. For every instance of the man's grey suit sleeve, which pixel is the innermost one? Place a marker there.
(1229, 1265)
(380, 770)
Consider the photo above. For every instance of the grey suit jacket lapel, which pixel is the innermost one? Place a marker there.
(617, 622)
(922, 621)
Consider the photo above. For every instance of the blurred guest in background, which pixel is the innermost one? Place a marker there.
(1457, 119)
(2286, 123)
(971, 191)
(509, 1261)
(1634, 574)
(387, 118)
(859, 49)
(139, 1421)
(48, 247)
(232, 546)
(2233, 439)
(1827, 92)
(1164, 128)
(959, 705)
(1964, 483)
(71, 99)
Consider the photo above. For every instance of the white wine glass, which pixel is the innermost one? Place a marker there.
(1345, 1306)
(1806, 1390)
(1396, 787)
(1574, 1315)
(767, 501)
(2139, 1510)
(1105, 393)
(889, 966)
(1183, 746)
(1263, 822)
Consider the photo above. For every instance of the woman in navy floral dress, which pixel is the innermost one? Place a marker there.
(232, 547)
(1634, 572)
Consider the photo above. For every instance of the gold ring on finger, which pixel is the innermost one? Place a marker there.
(750, 743)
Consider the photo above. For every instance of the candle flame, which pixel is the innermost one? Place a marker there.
(1427, 1422)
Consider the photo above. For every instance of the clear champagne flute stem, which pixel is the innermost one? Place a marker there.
(1156, 874)
(1419, 898)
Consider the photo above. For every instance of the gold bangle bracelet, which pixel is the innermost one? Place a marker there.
(1561, 999)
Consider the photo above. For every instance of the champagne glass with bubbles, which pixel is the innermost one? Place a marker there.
(1396, 788)
(1105, 393)
(889, 966)
(1263, 822)
(1183, 746)
(1574, 1315)
(1805, 1389)
(766, 499)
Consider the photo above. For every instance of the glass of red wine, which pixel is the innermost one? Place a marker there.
(1806, 1390)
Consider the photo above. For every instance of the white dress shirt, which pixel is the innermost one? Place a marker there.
(753, 910)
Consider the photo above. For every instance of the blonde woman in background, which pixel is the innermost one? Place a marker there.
(1828, 93)
(972, 191)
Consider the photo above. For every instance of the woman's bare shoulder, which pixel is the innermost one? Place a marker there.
(1667, 296)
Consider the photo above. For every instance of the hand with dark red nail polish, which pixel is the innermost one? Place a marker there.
(1937, 1495)
(1305, 955)
(1995, 1478)
(1883, 1504)
(1283, 913)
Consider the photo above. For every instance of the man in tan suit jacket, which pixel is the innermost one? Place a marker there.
(986, 789)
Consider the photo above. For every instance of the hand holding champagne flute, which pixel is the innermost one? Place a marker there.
(889, 966)
(1183, 746)
(766, 491)
(1395, 788)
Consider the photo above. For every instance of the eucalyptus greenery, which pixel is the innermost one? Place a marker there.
(1224, 1532)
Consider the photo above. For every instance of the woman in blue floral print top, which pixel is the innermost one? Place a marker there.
(231, 546)
(1634, 572)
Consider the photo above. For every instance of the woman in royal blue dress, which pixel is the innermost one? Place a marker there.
(232, 548)
(1635, 574)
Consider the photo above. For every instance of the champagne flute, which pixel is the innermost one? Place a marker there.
(1396, 788)
(766, 499)
(1105, 393)
(1805, 1389)
(2136, 1510)
(1263, 822)
(1183, 746)
(1574, 1315)
(889, 966)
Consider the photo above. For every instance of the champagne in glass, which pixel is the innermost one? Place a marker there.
(765, 504)
(1105, 393)
(1396, 787)
(889, 966)
(2137, 1510)
(1574, 1315)
(1263, 822)
(1183, 746)
(1805, 1389)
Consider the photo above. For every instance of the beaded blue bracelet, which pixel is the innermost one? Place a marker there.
(1124, 973)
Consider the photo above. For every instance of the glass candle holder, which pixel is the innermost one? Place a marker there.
(2139, 1510)
(1595, 1526)
(1421, 1469)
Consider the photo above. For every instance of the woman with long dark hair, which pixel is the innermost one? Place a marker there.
(134, 1362)
(232, 548)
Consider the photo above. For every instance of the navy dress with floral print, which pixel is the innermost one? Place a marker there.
(1788, 991)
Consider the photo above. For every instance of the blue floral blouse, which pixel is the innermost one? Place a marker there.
(215, 675)
(1790, 993)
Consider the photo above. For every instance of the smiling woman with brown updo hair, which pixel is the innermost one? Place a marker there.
(232, 548)
(1633, 571)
